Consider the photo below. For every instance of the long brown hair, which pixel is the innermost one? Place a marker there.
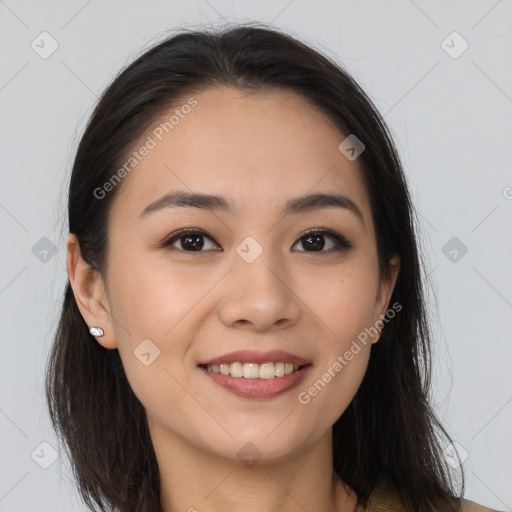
(389, 430)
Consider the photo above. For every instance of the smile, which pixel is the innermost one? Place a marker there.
(254, 370)
(256, 381)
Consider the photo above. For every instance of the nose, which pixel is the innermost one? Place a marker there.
(259, 296)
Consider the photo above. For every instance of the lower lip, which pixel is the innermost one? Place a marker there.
(258, 388)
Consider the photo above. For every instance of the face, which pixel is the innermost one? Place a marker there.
(245, 278)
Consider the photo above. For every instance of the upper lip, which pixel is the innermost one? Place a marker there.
(251, 356)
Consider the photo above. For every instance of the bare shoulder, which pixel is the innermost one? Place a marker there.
(385, 498)
(471, 506)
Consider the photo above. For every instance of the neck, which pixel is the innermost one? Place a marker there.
(195, 480)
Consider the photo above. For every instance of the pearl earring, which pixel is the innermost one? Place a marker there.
(96, 331)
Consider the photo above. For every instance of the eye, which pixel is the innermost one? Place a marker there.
(192, 240)
(314, 239)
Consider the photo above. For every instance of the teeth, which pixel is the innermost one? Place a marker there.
(254, 370)
(251, 370)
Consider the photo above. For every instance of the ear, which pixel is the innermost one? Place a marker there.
(386, 287)
(90, 293)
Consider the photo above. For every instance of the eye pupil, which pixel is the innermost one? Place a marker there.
(316, 240)
(195, 244)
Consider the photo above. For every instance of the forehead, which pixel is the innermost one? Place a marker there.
(258, 148)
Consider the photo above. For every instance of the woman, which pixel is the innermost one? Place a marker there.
(244, 323)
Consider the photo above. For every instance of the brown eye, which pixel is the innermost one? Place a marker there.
(314, 241)
(193, 240)
(189, 241)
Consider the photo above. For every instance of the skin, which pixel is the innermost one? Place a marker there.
(258, 150)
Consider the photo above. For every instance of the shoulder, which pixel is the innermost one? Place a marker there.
(471, 506)
(386, 499)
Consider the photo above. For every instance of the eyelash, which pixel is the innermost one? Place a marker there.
(342, 243)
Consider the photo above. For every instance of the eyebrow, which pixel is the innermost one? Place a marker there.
(179, 199)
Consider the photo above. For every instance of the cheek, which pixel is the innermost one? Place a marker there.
(150, 311)
(335, 381)
(326, 396)
(344, 303)
(342, 298)
(152, 299)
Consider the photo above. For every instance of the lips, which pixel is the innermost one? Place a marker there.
(251, 356)
(258, 389)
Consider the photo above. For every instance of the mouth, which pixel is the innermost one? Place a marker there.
(264, 371)
(256, 381)
(256, 374)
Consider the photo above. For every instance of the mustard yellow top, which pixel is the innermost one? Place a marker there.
(385, 499)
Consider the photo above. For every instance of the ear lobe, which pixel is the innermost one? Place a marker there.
(90, 293)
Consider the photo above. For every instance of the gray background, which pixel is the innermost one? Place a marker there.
(451, 117)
